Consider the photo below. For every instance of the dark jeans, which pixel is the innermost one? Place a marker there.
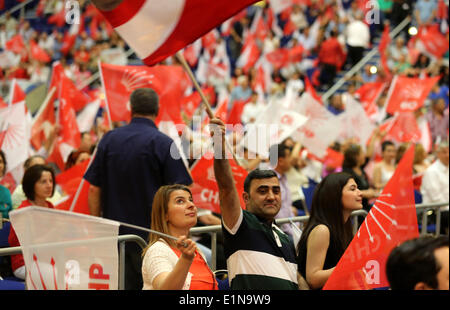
(355, 54)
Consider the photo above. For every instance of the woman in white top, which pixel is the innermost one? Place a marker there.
(383, 171)
(169, 264)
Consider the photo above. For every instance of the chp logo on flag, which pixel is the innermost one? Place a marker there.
(67, 251)
(391, 220)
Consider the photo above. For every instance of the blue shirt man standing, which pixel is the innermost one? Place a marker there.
(130, 165)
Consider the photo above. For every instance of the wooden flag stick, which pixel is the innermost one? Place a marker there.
(205, 101)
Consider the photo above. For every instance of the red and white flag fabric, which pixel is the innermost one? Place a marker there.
(355, 123)
(170, 82)
(408, 94)
(15, 133)
(156, 29)
(205, 191)
(16, 45)
(16, 94)
(249, 55)
(404, 129)
(368, 95)
(38, 53)
(70, 182)
(69, 132)
(391, 221)
(431, 41)
(275, 124)
(43, 120)
(67, 251)
(321, 129)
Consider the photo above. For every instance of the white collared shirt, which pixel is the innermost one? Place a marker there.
(435, 183)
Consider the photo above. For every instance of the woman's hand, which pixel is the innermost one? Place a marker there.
(187, 248)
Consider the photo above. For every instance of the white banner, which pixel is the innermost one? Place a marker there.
(67, 251)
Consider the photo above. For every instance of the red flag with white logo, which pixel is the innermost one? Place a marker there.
(157, 29)
(391, 220)
(69, 133)
(368, 95)
(170, 82)
(205, 191)
(408, 94)
(38, 53)
(432, 41)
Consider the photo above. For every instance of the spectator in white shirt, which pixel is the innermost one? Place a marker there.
(252, 109)
(358, 38)
(435, 183)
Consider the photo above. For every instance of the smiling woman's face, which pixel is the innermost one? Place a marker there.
(181, 213)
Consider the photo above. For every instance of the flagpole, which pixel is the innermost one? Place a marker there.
(108, 113)
(205, 101)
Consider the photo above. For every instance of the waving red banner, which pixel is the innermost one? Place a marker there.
(391, 220)
(408, 94)
(205, 191)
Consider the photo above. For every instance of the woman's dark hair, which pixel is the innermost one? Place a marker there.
(351, 155)
(414, 261)
(31, 176)
(2, 155)
(327, 209)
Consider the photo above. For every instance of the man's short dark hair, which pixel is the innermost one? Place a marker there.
(414, 261)
(144, 101)
(257, 174)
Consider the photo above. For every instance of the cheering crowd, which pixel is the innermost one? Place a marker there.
(265, 54)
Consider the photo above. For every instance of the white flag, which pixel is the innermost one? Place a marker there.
(355, 123)
(67, 251)
(321, 129)
(275, 124)
(14, 121)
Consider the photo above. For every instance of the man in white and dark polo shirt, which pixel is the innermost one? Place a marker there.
(259, 255)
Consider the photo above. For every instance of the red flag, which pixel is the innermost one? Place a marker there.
(404, 129)
(38, 53)
(69, 133)
(204, 189)
(408, 94)
(278, 58)
(77, 98)
(368, 95)
(44, 119)
(16, 44)
(156, 30)
(70, 182)
(81, 205)
(309, 88)
(70, 179)
(17, 94)
(391, 220)
(58, 18)
(119, 82)
(385, 40)
(433, 41)
(249, 55)
(234, 117)
(3, 104)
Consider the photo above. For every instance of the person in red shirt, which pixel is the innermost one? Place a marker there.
(331, 58)
(38, 185)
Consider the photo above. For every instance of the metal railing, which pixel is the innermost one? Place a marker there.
(215, 229)
(120, 239)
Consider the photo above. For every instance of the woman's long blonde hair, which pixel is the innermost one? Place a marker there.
(159, 212)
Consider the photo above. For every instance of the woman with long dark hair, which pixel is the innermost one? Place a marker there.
(328, 231)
